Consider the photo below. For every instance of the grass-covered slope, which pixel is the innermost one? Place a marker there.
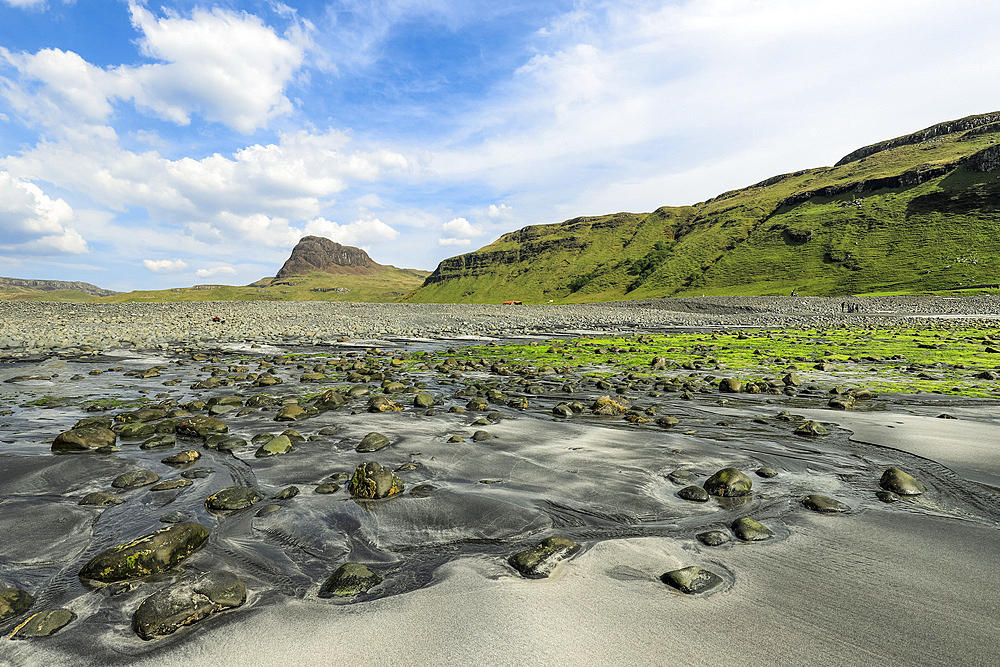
(912, 214)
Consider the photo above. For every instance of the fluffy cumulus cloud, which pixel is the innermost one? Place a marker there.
(461, 228)
(363, 231)
(223, 270)
(33, 223)
(224, 66)
(165, 265)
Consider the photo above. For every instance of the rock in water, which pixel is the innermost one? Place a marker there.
(85, 439)
(824, 504)
(43, 624)
(811, 429)
(538, 562)
(729, 482)
(100, 498)
(372, 442)
(201, 426)
(188, 602)
(692, 580)
(13, 602)
(135, 479)
(901, 483)
(349, 579)
(372, 481)
(693, 493)
(749, 530)
(150, 554)
(279, 444)
(232, 498)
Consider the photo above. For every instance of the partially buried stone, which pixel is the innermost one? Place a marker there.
(291, 413)
(201, 426)
(694, 493)
(43, 624)
(901, 483)
(480, 436)
(371, 481)
(372, 442)
(539, 561)
(824, 504)
(135, 479)
(149, 554)
(165, 441)
(100, 499)
(267, 509)
(84, 439)
(887, 496)
(349, 579)
(232, 498)
(188, 602)
(767, 473)
(279, 444)
(423, 490)
(423, 400)
(383, 404)
(729, 482)
(713, 538)
(327, 487)
(681, 476)
(692, 580)
(171, 484)
(182, 458)
(811, 429)
(749, 530)
(287, 492)
(13, 602)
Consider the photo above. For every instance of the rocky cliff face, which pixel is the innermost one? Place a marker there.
(50, 285)
(315, 253)
(978, 124)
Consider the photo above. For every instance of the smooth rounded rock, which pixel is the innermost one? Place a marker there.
(901, 483)
(149, 554)
(43, 624)
(14, 602)
(539, 561)
(692, 580)
(694, 493)
(714, 538)
(279, 444)
(188, 602)
(729, 482)
(349, 579)
(232, 498)
(84, 439)
(100, 499)
(135, 479)
(824, 504)
(750, 530)
(372, 442)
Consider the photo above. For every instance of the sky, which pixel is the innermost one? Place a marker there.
(148, 145)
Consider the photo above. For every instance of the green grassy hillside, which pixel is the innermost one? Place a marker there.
(917, 213)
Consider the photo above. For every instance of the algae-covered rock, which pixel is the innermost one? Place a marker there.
(84, 439)
(330, 399)
(188, 602)
(372, 481)
(100, 499)
(232, 498)
(539, 561)
(279, 444)
(383, 404)
(729, 482)
(349, 579)
(824, 504)
(14, 602)
(184, 458)
(201, 426)
(730, 386)
(901, 483)
(287, 492)
(372, 442)
(713, 538)
(692, 580)
(150, 554)
(43, 624)
(693, 493)
(749, 530)
(135, 479)
(811, 429)
(290, 413)
(423, 400)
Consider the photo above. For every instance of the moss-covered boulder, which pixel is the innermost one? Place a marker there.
(188, 602)
(279, 444)
(201, 426)
(100, 499)
(824, 504)
(694, 493)
(729, 482)
(349, 579)
(43, 624)
(692, 580)
(383, 404)
(901, 483)
(372, 442)
(291, 413)
(134, 479)
(423, 400)
(14, 602)
(84, 439)
(750, 530)
(184, 458)
(232, 498)
(371, 481)
(730, 386)
(330, 399)
(539, 561)
(150, 554)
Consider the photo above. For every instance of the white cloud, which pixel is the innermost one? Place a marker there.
(165, 265)
(460, 227)
(450, 241)
(224, 66)
(24, 3)
(224, 270)
(33, 223)
(359, 231)
(501, 211)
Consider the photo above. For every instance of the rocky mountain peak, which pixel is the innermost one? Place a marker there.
(315, 253)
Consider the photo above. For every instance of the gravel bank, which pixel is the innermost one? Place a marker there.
(31, 328)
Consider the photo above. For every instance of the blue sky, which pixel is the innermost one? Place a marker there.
(151, 145)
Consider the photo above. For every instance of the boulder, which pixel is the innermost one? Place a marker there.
(349, 579)
(43, 624)
(713, 538)
(729, 482)
(730, 386)
(694, 493)
(824, 504)
(901, 483)
(539, 561)
(290, 413)
(200, 426)
(182, 458)
(331, 399)
(188, 602)
(279, 444)
(423, 400)
(811, 429)
(692, 580)
(749, 530)
(372, 442)
(150, 554)
(100, 499)
(232, 498)
(383, 404)
(135, 479)
(14, 602)
(84, 439)
(371, 481)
